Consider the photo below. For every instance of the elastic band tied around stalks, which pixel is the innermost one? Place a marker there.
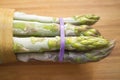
(62, 40)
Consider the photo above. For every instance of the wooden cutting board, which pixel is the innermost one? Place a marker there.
(108, 25)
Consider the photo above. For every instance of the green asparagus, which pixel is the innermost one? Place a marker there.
(38, 37)
(69, 56)
(36, 44)
(27, 28)
(79, 20)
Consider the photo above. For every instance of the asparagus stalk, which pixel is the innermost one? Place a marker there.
(74, 57)
(36, 44)
(80, 20)
(27, 28)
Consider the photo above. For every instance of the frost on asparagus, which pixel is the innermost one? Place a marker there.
(69, 56)
(26, 28)
(36, 44)
(80, 20)
(34, 38)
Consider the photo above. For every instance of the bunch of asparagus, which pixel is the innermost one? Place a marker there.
(38, 37)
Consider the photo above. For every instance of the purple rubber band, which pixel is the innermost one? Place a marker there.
(62, 41)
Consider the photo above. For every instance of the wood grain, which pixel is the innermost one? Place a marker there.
(109, 26)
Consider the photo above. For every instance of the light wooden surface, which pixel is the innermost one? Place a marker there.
(109, 26)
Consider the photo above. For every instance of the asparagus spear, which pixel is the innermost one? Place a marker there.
(36, 44)
(25, 28)
(80, 20)
(74, 57)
